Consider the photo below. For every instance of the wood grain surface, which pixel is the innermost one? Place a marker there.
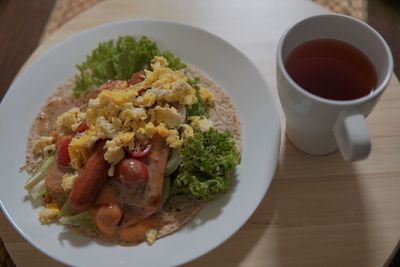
(319, 211)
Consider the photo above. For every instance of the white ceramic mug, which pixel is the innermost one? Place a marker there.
(318, 125)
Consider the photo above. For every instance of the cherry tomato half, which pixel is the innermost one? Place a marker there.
(131, 171)
(82, 127)
(62, 151)
(139, 151)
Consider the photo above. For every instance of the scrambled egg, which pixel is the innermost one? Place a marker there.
(167, 115)
(199, 123)
(114, 147)
(49, 150)
(121, 114)
(69, 120)
(206, 95)
(151, 236)
(146, 131)
(43, 144)
(187, 132)
(79, 148)
(68, 180)
(48, 214)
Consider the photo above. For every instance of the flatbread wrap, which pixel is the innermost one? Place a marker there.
(133, 159)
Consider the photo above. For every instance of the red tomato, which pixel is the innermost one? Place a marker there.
(137, 77)
(83, 127)
(131, 171)
(139, 151)
(62, 151)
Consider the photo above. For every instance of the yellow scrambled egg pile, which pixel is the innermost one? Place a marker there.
(135, 112)
(49, 213)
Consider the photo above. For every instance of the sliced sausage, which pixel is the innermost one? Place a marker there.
(113, 84)
(107, 212)
(107, 218)
(90, 181)
(137, 77)
(156, 161)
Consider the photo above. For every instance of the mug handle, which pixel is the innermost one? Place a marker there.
(352, 137)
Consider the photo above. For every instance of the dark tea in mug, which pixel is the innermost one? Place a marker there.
(332, 69)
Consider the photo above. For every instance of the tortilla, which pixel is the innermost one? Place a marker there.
(179, 209)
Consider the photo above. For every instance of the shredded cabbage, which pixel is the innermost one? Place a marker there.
(40, 173)
(173, 162)
(38, 190)
(66, 210)
(83, 220)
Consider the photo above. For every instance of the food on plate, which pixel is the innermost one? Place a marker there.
(133, 146)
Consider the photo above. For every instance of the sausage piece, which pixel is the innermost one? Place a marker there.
(156, 161)
(137, 77)
(107, 218)
(146, 197)
(90, 181)
(107, 213)
(113, 84)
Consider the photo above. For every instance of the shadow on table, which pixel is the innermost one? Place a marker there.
(328, 186)
(240, 245)
(303, 186)
(237, 248)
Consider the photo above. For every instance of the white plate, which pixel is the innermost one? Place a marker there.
(224, 64)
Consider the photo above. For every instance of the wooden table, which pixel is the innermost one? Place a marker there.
(319, 211)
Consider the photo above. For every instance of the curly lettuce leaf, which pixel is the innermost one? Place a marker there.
(207, 161)
(174, 62)
(118, 60)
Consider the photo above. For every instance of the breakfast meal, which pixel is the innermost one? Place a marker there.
(133, 146)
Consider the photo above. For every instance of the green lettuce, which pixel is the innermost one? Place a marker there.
(199, 108)
(174, 62)
(82, 220)
(117, 60)
(207, 162)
